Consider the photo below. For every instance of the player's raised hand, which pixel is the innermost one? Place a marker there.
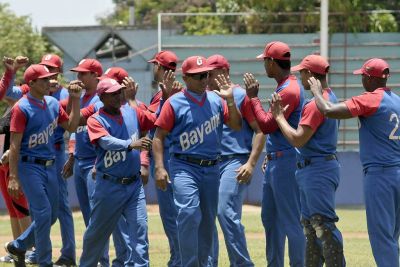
(315, 86)
(142, 143)
(244, 173)
(75, 89)
(20, 62)
(251, 84)
(162, 178)
(177, 87)
(132, 87)
(167, 84)
(8, 63)
(276, 105)
(225, 87)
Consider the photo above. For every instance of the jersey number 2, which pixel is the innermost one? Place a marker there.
(392, 135)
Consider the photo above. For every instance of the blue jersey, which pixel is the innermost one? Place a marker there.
(324, 140)
(41, 120)
(379, 114)
(195, 123)
(276, 141)
(83, 148)
(237, 142)
(60, 94)
(122, 163)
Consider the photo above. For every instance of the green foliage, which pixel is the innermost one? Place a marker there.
(19, 38)
(268, 15)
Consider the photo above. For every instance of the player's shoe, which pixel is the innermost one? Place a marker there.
(61, 262)
(17, 255)
(6, 259)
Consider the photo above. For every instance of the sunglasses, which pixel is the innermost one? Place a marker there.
(199, 76)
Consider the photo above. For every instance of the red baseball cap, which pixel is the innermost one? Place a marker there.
(313, 63)
(277, 50)
(165, 58)
(218, 62)
(89, 65)
(374, 67)
(51, 60)
(116, 73)
(37, 71)
(195, 64)
(108, 85)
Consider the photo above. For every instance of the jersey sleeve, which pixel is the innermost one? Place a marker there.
(62, 115)
(95, 130)
(18, 120)
(364, 105)
(64, 103)
(5, 83)
(88, 111)
(311, 116)
(146, 119)
(247, 111)
(166, 119)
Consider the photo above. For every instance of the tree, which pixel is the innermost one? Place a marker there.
(19, 38)
(269, 15)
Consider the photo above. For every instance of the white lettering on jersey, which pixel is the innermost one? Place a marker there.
(43, 137)
(188, 139)
(81, 129)
(112, 157)
(394, 117)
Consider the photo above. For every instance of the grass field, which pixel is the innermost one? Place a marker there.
(352, 224)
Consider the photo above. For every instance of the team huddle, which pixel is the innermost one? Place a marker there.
(200, 141)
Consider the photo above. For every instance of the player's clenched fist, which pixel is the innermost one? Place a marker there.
(142, 143)
(14, 188)
(162, 178)
(75, 89)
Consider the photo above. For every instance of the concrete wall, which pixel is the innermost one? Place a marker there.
(350, 191)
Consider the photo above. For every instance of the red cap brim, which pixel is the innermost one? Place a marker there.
(152, 60)
(46, 63)
(297, 68)
(261, 56)
(359, 71)
(199, 70)
(79, 69)
(47, 75)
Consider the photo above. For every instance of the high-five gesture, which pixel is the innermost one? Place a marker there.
(225, 87)
(276, 105)
(251, 84)
(315, 86)
(132, 87)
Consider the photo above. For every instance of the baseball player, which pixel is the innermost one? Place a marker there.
(17, 208)
(317, 167)
(67, 258)
(238, 158)
(118, 189)
(280, 211)
(378, 110)
(89, 71)
(32, 156)
(164, 63)
(193, 119)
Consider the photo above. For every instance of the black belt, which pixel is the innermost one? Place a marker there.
(302, 164)
(231, 156)
(274, 155)
(44, 162)
(121, 180)
(201, 162)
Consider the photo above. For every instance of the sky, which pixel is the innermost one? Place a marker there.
(61, 12)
